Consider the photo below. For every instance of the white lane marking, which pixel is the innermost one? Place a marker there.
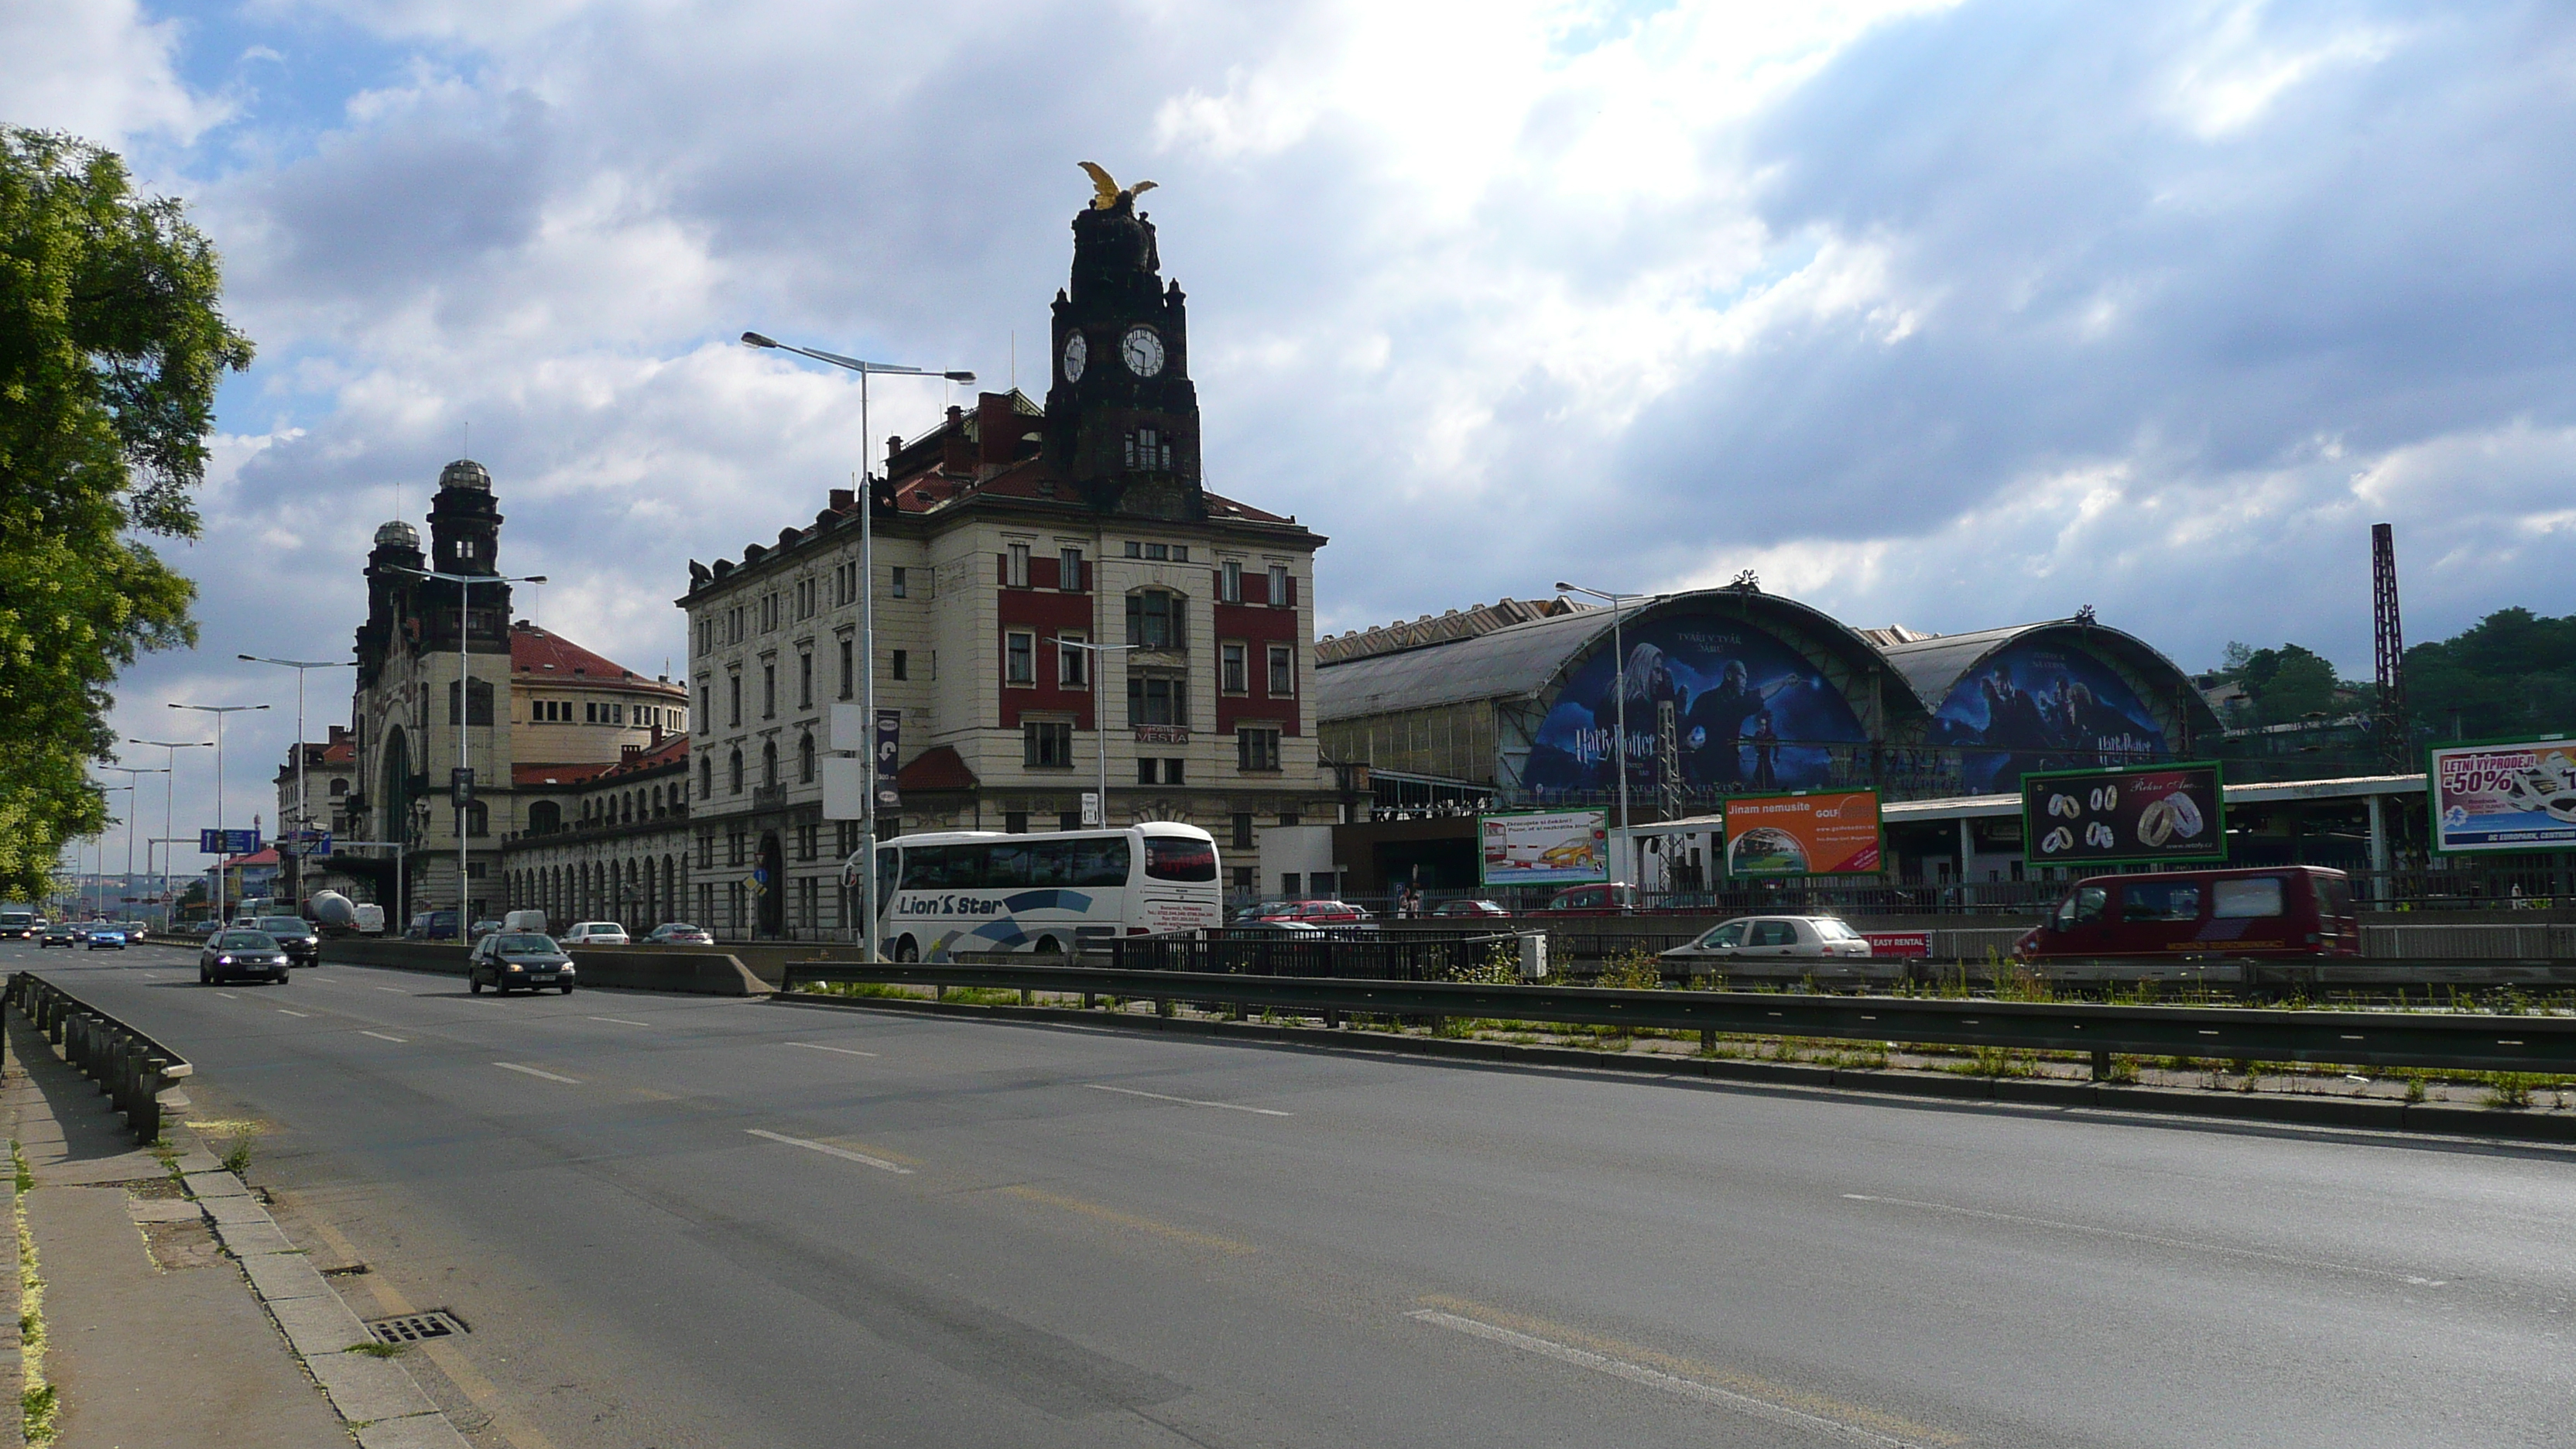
(282, 1011)
(380, 1036)
(828, 1150)
(1188, 1101)
(816, 1046)
(532, 1071)
(2186, 1245)
(396, 990)
(1637, 1373)
(621, 1021)
(228, 996)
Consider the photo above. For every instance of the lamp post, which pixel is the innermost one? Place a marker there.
(1619, 676)
(867, 607)
(169, 794)
(130, 771)
(98, 852)
(465, 709)
(219, 711)
(1099, 709)
(303, 804)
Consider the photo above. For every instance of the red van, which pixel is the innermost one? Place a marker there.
(2289, 910)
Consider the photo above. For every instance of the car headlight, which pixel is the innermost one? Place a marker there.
(223, 960)
(515, 966)
(564, 966)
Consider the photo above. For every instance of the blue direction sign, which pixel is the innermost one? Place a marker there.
(227, 842)
(307, 842)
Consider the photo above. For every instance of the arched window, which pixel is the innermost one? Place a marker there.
(545, 818)
(769, 762)
(805, 759)
(733, 768)
(657, 802)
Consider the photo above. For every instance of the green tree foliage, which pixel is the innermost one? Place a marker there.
(2289, 683)
(2513, 672)
(111, 346)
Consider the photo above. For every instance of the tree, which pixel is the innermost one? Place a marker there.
(2511, 673)
(111, 346)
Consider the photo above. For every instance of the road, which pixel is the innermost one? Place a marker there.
(675, 1221)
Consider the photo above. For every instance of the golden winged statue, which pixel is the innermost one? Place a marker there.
(1106, 193)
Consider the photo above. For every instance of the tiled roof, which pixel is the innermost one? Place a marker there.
(939, 768)
(559, 774)
(674, 750)
(535, 652)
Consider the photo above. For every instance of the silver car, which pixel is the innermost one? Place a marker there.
(1759, 937)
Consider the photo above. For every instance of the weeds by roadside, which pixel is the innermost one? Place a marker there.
(39, 1401)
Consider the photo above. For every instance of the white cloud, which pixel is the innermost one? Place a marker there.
(100, 70)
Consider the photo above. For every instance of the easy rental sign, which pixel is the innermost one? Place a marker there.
(2503, 795)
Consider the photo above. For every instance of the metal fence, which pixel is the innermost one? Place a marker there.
(131, 1068)
(1330, 954)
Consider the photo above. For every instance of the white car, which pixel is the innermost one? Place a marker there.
(1755, 937)
(594, 933)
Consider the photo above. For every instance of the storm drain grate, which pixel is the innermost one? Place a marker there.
(415, 1327)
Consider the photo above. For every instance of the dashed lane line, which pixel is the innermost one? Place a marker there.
(816, 1046)
(282, 1011)
(396, 990)
(1187, 1101)
(380, 1036)
(828, 1150)
(621, 1021)
(534, 1072)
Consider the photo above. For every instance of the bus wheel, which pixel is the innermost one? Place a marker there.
(1047, 946)
(905, 950)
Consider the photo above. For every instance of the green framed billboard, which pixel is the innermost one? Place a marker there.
(2495, 796)
(2125, 815)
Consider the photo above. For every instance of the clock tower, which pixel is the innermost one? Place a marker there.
(1122, 417)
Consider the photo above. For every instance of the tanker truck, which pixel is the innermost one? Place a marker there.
(337, 915)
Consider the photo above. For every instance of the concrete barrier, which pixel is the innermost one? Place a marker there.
(631, 968)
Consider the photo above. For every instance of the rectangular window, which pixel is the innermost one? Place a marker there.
(1256, 750)
(849, 659)
(1172, 771)
(1158, 550)
(1281, 594)
(1046, 744)
(1180, 553)
(1243, 832)
(1015, 822)
(1230, 668)
(1072, 665)
(1069, 820)
(1019, 658)
(899, 664)
(769, 691)
(1154, 619)
(1017, 566)
(589, 712)
(1283, 670)
(1134, 549)
(898, 584)
(1147, 769)
(1157, 699)
(1068, 570)
(804, 679)
(733, 689)
(2246, 900)
(1229, 582)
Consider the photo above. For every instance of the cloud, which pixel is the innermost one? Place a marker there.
(1953, 314)
(98, 69)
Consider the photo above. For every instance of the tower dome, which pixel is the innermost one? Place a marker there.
(397, 534)
(465, 473)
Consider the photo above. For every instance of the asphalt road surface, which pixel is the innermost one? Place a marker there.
(674, 1221)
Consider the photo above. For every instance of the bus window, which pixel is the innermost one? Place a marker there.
(2162, 900)
(1053, 862)
(942, 867)
(889, 864)
(2246, 900)
(1006, 867)
(1171, 859)
(1100, 862)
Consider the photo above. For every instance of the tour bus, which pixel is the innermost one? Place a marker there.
(946, 892)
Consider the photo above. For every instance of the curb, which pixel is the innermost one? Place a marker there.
(377, 1397)
(2417, 1119)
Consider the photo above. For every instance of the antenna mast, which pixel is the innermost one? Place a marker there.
(2396, 744)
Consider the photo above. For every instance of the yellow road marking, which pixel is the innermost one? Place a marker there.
(1859, 1419)
(1129, 1220)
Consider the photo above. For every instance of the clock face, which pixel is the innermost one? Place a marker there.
(1077, 351)
(1142, 351)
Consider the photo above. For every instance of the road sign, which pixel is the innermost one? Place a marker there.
(1090, 808)
(227, 842)
(306, 842)
(889, 755)
(460, 784)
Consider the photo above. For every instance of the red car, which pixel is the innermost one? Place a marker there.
(1469, 908)
(1593, 900)
(1316, 913)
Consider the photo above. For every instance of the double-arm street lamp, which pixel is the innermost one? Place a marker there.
(1619, 687)
(867, 610)
(464, 711)
(131, 801)
(219, 711)
(303, 805)
(169, 794)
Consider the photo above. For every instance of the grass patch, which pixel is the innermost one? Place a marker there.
(39, 1402)
(377, 1350)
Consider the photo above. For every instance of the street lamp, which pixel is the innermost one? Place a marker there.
(303, 804)
(98, 852)
(1099, 709)
(219, 711)
(464, 709)
(1619, 651)
(130, 771)
(169, 794)
(867, 609)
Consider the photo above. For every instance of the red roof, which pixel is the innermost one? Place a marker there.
(559, 774)
(265, 857)
(674, 750)
(534, 651)
(935, 769)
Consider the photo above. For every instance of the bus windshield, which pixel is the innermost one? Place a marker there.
(1167, 858)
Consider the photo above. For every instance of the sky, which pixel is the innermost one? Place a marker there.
(1943, 314)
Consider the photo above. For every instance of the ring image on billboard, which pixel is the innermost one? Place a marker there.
(1830, 833)
(2519, 795)
(2095, 817)
(1544, 847)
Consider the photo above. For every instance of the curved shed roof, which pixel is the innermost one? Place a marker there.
(1935, 666)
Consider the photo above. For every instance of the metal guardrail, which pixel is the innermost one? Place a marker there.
(131, 1068)
(1364, 953)
(2545, 1045)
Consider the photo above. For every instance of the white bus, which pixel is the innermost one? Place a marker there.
(954, 891)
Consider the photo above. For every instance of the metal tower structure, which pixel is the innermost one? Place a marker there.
(2389, 646)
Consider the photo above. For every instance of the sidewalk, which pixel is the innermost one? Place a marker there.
(154, 1338)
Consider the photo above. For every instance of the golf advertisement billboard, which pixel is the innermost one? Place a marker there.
(1544, 847)
(2509, 795)
(1824, 833)
(2162, 814)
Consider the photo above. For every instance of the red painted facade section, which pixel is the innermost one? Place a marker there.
(1044, 611)
(1258, 626)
